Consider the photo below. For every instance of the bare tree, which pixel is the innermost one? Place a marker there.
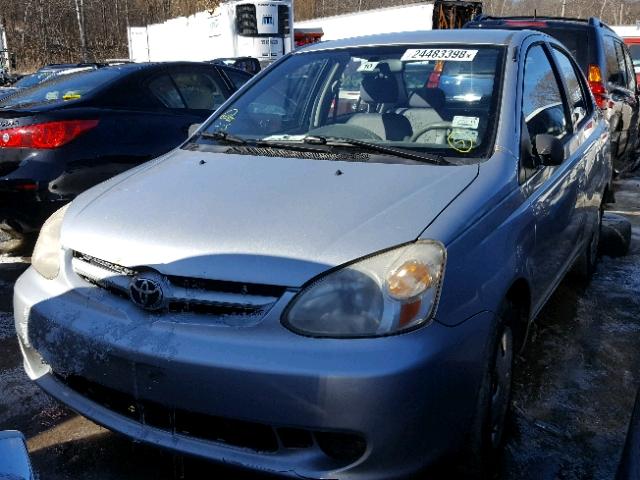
(80, 16)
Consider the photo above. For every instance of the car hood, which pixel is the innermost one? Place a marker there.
(266, 220)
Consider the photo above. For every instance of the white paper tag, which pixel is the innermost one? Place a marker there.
(465, 122)
(448, 54)
(367, 66)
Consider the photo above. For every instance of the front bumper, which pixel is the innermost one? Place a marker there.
(411, 397)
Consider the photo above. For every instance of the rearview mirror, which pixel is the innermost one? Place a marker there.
(549, 149)
(193, 128)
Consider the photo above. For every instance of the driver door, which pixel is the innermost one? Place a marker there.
(553, 191)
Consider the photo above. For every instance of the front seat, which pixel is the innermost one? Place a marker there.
(381, 87)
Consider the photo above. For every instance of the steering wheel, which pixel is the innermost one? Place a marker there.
(433, 126)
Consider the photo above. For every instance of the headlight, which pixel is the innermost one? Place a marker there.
(386, 293)
(46, 254)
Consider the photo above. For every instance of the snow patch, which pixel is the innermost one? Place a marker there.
(6, 259)
(20, 396)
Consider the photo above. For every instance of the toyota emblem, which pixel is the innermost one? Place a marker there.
(147, 292)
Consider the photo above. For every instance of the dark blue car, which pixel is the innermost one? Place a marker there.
(60, 137)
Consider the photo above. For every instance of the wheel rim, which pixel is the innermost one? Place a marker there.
(501, 385)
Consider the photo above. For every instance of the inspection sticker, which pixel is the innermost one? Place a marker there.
(368, 66)
(463, 135)
(449, 54)
(465, 122)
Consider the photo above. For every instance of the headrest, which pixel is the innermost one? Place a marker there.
(379, 86)
(427, 98)
(391, 65)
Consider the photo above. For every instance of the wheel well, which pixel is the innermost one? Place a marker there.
(519, 295)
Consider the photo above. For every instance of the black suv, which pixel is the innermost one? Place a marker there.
(607, 65)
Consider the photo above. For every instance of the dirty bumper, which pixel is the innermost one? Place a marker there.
(259, 397)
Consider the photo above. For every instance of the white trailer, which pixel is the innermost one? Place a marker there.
(244, 28)
(404, 18)
(436, 14)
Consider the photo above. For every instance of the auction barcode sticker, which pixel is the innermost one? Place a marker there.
(449, 54)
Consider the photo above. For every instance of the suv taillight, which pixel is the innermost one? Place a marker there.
(45, 135)
(597, 86)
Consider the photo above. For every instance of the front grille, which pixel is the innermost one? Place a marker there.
(342, 447)
(184, 294)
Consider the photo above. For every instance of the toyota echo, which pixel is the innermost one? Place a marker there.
(329, 292)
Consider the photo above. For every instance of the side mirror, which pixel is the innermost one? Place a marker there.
(193, 128)
(549, 149)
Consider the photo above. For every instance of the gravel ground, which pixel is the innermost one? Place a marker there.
(573, 392)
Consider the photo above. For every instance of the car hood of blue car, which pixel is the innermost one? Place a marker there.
(266, 220)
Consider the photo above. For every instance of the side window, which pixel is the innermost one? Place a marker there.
(631, 69)
(200, 90)
(237, 77)
(631, 74)
(614, 72)
(131, 95)
(163, 88)
(542, 105)
(622, 65)
(578, 104)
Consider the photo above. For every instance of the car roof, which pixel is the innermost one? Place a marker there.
(128, 67)
(463, 36)
(55, 66)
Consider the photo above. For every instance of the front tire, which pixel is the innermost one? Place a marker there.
(494, 399)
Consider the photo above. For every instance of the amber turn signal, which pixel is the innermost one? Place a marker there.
(409, 280)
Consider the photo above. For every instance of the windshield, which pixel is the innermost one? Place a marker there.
(438, 99)
(63, 88)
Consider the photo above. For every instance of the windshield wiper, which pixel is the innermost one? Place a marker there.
(285, 145)
(222, 136)
(374, 147)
